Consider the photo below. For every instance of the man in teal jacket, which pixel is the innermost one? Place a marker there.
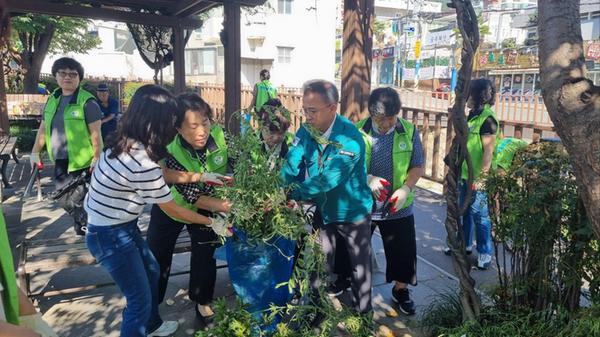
(330, 154)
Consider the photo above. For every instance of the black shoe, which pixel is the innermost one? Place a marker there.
(405, 304)
(338, 287)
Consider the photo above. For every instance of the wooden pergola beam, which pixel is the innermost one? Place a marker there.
(193, 7)
(44, 7)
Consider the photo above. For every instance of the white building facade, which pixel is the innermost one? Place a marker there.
(294, 39)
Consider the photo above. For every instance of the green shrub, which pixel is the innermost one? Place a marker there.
(129, 89)
(443, 318)
(542, 220)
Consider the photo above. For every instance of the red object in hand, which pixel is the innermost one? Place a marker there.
(393, 205)
(213, 183)
(383, 193)
(40, 166)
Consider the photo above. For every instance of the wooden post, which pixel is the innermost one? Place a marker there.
(425, 136)
(519, 131)
(4, 123)
(230, 37)
(357, 58)
(437, 134)
(179, 59)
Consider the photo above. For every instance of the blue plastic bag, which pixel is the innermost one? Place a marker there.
(255, 270)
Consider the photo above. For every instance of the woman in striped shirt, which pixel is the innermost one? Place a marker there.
(126, 178)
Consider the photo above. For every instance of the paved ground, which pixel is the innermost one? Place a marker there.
(98, 312)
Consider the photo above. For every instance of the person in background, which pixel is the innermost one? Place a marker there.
(70, 133)
(274, 132)
(331, 151)
(199, 147)
(41, 89)
(110, 110)
(481, 142)
(262, 92)
(126, 178)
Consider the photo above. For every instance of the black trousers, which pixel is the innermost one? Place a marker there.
(400, 246)
(163, 232)
(71, 202)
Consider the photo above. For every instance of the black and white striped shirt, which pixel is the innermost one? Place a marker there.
(120, 187)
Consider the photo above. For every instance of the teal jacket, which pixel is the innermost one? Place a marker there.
(337, 178)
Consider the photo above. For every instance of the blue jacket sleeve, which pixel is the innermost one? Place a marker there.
(337, 168)
(291, 167)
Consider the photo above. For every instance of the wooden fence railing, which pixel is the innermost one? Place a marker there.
(428, 113)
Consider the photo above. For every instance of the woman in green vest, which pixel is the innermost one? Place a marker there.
(70, 133)
(199, 151)
(481, 142)
(394, 160)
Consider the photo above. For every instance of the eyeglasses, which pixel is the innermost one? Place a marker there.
(313, 111)
(65, 74)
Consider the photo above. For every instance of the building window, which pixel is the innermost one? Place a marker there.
(284, 6)
(201, 61)
(284, 55)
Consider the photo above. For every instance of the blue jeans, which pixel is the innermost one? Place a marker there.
(122, 251)
(477, 216)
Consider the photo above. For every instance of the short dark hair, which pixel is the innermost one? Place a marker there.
(483, 92)
(67, 63)
(325, 89)
(265, 74)
(192, 101)
(384, 102)
(150, 120)
(272, 118)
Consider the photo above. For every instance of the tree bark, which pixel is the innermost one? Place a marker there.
(572, 101)
(34, 52)
(467, 24)
(4, 123)
(357, 58)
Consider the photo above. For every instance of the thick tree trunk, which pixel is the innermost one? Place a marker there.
(357, 58)
(33, 57)
(572, 101)
(4, 124)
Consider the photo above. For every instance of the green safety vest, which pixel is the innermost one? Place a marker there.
(10, 294)
(401, 151)
(474, 144)
(79, 143)
(216, 161)
(505, 152)
(264, 91)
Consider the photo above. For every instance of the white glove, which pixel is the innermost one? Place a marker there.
(214, 179)
(378, 187)
(220, 227)
(34, 159)
(399, 198)
(37, 324)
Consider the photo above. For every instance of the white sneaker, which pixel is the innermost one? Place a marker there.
(167, 328)
(483, 261)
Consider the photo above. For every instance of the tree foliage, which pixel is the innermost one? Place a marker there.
(35, 36)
